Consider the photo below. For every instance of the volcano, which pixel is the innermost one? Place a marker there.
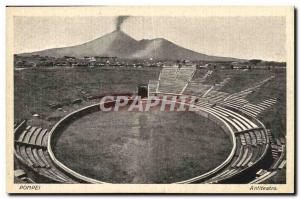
(119, 44)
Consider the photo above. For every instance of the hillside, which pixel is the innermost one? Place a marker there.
(119, 44)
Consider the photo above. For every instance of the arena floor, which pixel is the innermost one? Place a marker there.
(142, 147)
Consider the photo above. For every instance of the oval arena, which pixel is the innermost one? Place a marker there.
(220, 141)
(140, 147)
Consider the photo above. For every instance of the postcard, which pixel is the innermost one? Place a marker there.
(150, 100)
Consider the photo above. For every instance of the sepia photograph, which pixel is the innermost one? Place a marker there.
(150, 99)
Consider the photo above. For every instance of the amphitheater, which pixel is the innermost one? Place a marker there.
(256, 156)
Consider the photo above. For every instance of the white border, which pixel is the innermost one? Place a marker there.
(3, 3)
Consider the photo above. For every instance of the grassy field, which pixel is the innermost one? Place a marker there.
(275, 117)
(199, 73)
(218, 75)
(142, 147)
(34, 89)
(239, 79)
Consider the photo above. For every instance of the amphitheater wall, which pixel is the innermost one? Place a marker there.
(58, 129)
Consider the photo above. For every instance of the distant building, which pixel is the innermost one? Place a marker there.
(90, 59)
(105, 59)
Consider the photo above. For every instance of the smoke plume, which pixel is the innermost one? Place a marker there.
(120, 20)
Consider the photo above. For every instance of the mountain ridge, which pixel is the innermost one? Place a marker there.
(119, 44)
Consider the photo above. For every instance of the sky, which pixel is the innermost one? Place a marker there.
(239, 37)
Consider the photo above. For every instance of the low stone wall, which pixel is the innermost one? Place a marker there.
(64, 122)
(58, 129)
(204, 113)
